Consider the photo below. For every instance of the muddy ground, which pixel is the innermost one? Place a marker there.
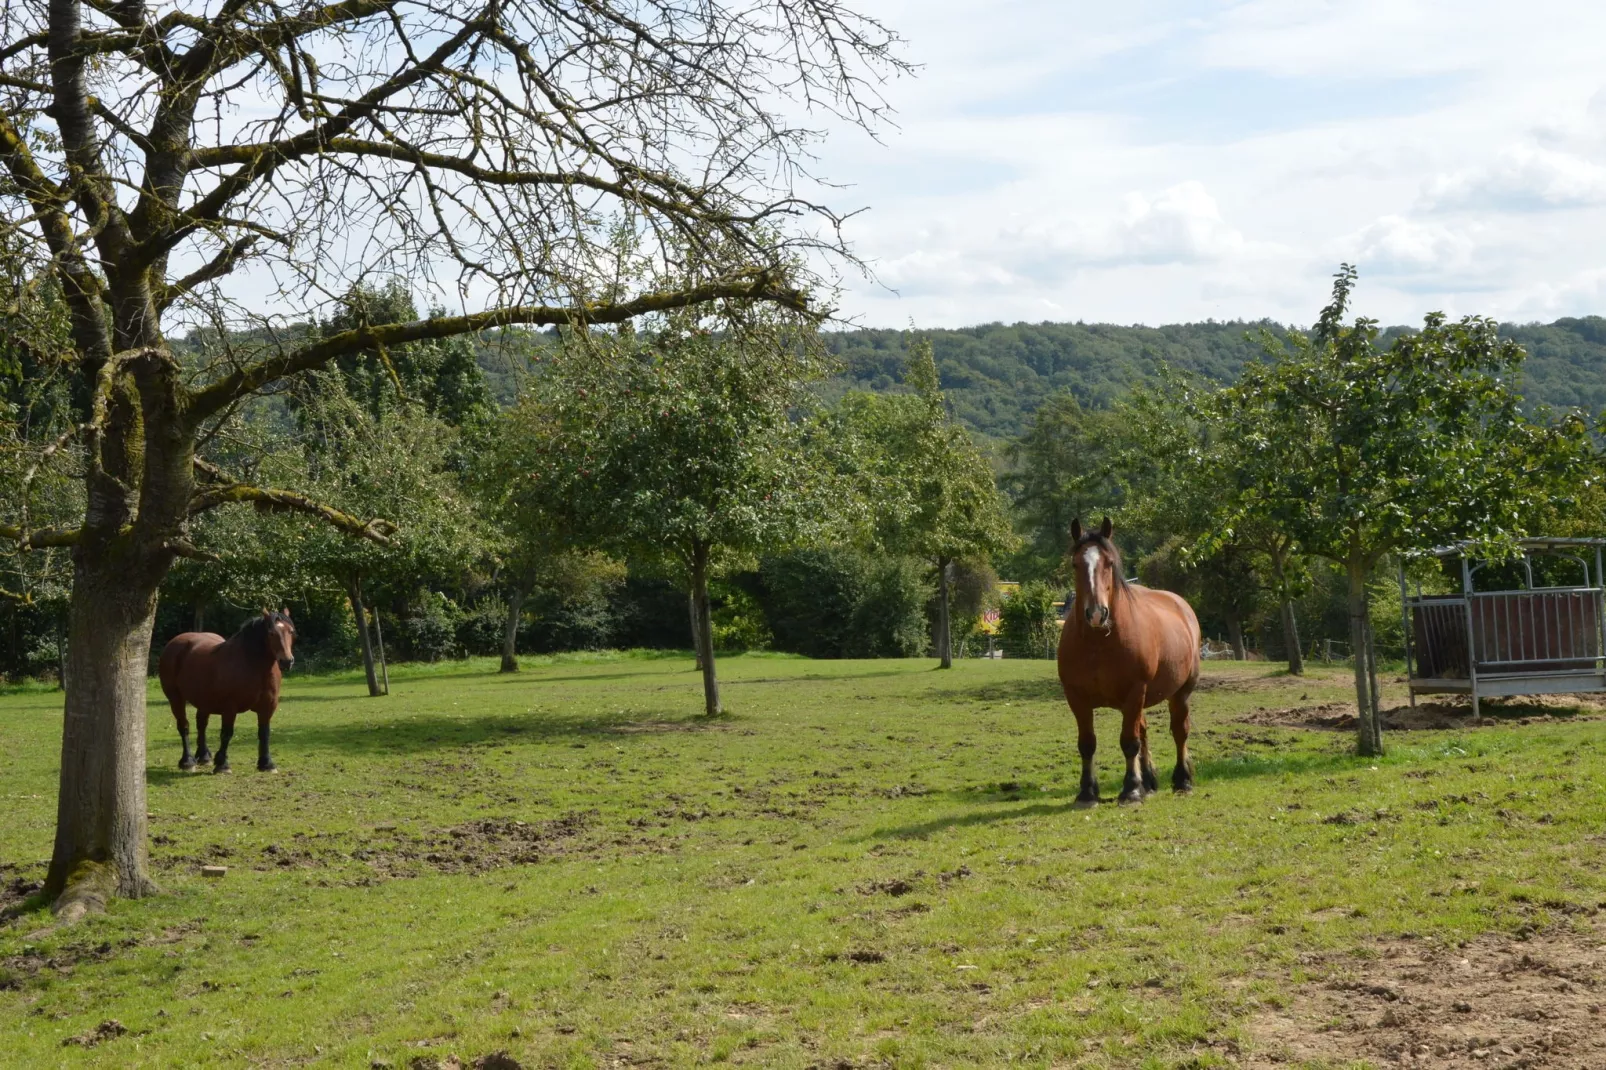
(1497, 1002)
(1439, 714)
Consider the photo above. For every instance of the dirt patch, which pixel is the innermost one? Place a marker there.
(1233, 682)
(1492, 1002)
(473, 847)
(15, 889)
(110, 1029)
(1431, 716)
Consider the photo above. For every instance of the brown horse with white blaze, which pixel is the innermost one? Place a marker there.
(1126, 647)
(228, 677)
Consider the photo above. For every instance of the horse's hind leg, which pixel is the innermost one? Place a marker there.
(203, 753)
(1087, 744)
(1181, 722)
(181, 715)
(264, 759)
(220, 764)
(1151, 779)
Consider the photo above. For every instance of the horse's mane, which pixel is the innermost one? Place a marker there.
(1117, 566)
(253, 634)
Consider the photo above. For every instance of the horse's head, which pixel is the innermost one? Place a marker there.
(1097, 566)
(281, 637)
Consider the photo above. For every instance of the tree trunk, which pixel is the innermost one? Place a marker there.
(379, 643)
(510, 636)
(1369, 731)
(705, 630)
(696, 631)
(100, 848)
(945, 642)
(1235, 635)
(1296, 657)
(360, 612)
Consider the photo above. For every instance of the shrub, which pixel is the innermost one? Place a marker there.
(739, 622)
(1026, 621)
(480, 627)
(840, 603)
(429, 630)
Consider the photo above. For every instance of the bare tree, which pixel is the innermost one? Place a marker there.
(153, 153)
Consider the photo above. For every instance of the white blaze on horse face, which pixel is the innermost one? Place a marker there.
(1090, 570)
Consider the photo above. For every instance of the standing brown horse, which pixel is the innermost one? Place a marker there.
(228, 677)
(1128, 648)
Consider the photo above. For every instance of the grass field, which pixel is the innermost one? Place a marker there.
(864, 864)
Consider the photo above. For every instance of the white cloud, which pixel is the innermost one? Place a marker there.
(1178, 225)
(1394, 245)
(1272, 139)
(1521, 177)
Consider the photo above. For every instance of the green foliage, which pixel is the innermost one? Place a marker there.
(997, 376)
(934, 490)
(739, 622)
(844, 603)
(1026, 621)
(442, 375)
(678, 445)
(1071, 462)
(1356, 450)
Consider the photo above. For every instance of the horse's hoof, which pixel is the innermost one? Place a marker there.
(187, 764)
(1083, 803)
(220, 768)
(1130, 798)
(269, 768)
(1185, 788)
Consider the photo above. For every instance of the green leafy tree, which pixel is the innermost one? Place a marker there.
(1071, 462)
(934, 491)
(1357, 450)
(685, 448)
(1180, 466)
(398, 464)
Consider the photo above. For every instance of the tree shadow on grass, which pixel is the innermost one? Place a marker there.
(426, 732)
(1206, 772)
(1042, 689)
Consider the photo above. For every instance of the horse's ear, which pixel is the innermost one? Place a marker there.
(267, 614)
(286, 612)
(1106, 529)
(1076, 530)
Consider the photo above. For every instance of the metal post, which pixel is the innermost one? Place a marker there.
(1472, 648)
(1405, 621)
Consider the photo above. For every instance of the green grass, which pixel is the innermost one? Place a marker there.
(686, 892)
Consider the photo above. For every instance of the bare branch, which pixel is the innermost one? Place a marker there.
(760, 285)
(271, 500)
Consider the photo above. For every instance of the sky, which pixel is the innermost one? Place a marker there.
(1163, 161)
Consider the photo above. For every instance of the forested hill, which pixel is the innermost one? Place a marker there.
(995, 375)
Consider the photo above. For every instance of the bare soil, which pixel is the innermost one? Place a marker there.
(474, 847)
(15, 890)
(1495, 1002)
(1437, 715)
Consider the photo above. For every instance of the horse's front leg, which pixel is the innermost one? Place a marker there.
(1132, 748)
(203, 753)
(1151, 778)
(264, 759)
(1087, 744)
(220, 764)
